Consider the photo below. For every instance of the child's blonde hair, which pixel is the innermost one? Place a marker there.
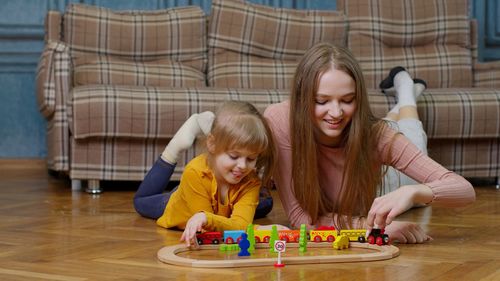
(239, 125)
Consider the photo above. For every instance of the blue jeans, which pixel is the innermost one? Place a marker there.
(150, 199)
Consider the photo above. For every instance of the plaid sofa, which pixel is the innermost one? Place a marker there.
(115, 86)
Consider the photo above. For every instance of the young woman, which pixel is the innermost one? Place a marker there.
(331, 150)
(218, 190)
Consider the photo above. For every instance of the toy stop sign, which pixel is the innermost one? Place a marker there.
(279, 246)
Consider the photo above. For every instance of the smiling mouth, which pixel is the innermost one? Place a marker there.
(237, 174)
(333, 122)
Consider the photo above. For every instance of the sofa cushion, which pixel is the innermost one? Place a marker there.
(431, 38)
(151, 112)
(110, 70)
(103, 111)
(177, 34)
(257, 46)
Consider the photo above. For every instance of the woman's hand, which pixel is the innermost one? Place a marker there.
(387, 207)
(406, 232)
(193, 225)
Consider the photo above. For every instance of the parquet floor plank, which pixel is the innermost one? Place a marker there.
(48, 232)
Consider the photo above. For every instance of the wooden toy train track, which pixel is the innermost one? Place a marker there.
(209, 256)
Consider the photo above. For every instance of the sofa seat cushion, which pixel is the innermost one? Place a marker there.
(241, 33)
(177, 34)
(157, 112)
(110, 70)
(431, 38)
(101, 111)
(465, 113)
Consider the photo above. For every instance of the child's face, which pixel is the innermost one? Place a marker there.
(232, 166)
(335, 105)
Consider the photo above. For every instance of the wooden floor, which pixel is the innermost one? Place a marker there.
(48, 232)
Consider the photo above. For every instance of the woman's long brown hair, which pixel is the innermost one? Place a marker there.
(362, 174)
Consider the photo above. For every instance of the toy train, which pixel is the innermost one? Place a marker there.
(321, 234)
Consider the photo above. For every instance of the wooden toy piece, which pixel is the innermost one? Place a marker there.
(342, 242)
(364, 252)
(209, 237)
(323, 233)
(378, 237)
(232, 236)
(279, 247)
(355, 234)
(244, 244)
(251, 238)
(262, 235)
(289, 235)
(274, 237)
(303, 239)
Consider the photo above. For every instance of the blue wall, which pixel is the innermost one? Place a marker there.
(22, 128)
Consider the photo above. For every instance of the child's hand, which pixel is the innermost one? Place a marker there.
(270, 227)
(193, 225)
(406, 232)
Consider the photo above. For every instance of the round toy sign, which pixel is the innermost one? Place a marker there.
(279, 246)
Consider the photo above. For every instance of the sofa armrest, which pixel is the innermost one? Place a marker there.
(53, 87)
(487, 74)
(52, 78)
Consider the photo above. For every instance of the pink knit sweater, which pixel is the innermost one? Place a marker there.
(450, 189)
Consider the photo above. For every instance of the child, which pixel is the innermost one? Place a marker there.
(218, 190)
(331, 149)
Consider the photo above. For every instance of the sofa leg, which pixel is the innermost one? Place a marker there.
(93, 187)
(76, 185)
(498, 183)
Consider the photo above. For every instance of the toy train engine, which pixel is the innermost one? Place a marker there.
(212, 237)
(378, 237)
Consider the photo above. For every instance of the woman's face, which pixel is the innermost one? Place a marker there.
(335, 106)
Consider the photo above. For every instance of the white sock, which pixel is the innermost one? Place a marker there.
(187, 133)
(418, 88)
(403, 84)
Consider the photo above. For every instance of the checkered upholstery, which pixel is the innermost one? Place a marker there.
(177, 33)
(157, 48)
(116, 137)
(431, 38)
(114, 92)
(256, 46)
(110, 70)
(53, 87)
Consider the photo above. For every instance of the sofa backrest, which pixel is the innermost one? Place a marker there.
(153, 48)
(257, 46)
(431, 38)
